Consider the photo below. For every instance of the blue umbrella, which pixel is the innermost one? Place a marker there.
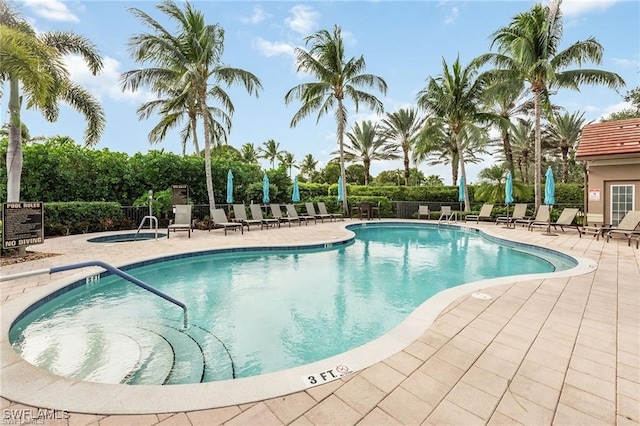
(340, 196)
(508, 189)
(295, 197)
(265, 189)
(229, 187)
(549, 196)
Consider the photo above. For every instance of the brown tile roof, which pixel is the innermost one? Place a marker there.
(613, 138)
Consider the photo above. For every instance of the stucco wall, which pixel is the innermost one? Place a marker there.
(602, 175)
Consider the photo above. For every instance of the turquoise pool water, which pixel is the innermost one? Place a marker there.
(259, 311)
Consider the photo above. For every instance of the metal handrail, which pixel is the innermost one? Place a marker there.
(152, 220)
(109, 268)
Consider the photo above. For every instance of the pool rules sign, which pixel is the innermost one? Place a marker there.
(22, 224)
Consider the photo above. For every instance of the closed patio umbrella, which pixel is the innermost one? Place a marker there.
(229, 187)
(265, 189)
(508, 193)
(461, 191)
(549, 196)
(295, 196)
(340, 195)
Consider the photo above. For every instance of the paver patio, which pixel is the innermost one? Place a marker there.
(545, 351)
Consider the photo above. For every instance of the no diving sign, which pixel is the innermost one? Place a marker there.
(326, 376)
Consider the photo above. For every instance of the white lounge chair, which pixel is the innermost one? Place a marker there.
(182, 220)
(485, 213)
(424, 211)
(446, 214)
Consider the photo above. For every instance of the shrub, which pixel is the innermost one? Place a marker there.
(82, 217)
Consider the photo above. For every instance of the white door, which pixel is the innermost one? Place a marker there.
(622, 201)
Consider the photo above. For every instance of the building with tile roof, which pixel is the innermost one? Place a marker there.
(611, 151)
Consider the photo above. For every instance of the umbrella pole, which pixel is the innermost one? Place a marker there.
(549, 224)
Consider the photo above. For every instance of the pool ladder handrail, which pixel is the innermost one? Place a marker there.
(152, 220)
(109, 268)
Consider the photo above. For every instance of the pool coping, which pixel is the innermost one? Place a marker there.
(25, 383)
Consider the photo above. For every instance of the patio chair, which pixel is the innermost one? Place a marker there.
(256, 214)
(519, 212)
(311, 211)
(220, 220)
(542, 215)
(628, 226)
(364, 210)
(323, 210)
(446, 214)
(485, 213)
(375, 209)
(240, 213)
(276, 212)
(182, 220)
(424, 211)
(595, 226)
(564, 220)
(293, 213)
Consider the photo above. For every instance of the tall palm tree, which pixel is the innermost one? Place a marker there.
(337, 80)
(528, 51)
(453, 99)
(34, 64)
(366, 144)
(287, 159)
(249, 153)
(563, 134)
(523, 144)
(189, 60)
(271, 151)
(404, 126)
(308, 166)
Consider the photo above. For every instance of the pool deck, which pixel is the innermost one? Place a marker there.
(560, 350)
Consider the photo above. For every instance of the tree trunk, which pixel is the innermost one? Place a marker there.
(538, 149)
(194, 131)
(454, 172)
(463, 173)
(367, 166)
(207, 156)
(405, 150)
(14, 150)
(565, 165)
(508, 153)
(341, 120)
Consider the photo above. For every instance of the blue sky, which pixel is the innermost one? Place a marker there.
(402, 41)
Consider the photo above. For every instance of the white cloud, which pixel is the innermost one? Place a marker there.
(258, 16)
(349, 38)
(627, 63)
(578, 7)
(453, 14)
(54, 10)
(105, 84)
(615, 108)
(304, 19)
(272, 48)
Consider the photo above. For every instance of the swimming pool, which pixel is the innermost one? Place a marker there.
(127, 238)
(262, 311)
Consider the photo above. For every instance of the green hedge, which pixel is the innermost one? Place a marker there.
(83, 217)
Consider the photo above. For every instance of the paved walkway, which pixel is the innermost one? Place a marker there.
(552, 351)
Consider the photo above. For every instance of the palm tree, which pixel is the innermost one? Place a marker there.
(271, 151)
(366, 144)
(189, 61)
(563, 133)
(286, 159)
(528, 51)
(523, 144)
(249, 153)
(453, 100)
(337, 80)
(34, 64)
(404, 126)
(308, 166)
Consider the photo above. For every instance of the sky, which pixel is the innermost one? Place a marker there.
(404, 42)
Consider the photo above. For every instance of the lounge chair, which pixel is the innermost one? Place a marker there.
(485, 213)
(182, 220)
(323, 210)
(519, 213)
(595, 226)
(424, 211)
(220, 220)
(256, 214)
(446, 214)
(276, 212)
(628, 226)
(293, 213)
(542, 215)
(565, 219)
(240, 214)
(311, 211)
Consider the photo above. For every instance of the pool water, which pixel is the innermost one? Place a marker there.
(254, 312)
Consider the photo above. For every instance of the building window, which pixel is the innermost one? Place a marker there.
(621, 202)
